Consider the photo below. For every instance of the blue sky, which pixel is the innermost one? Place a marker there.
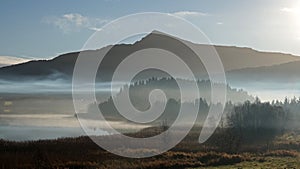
(44, 29)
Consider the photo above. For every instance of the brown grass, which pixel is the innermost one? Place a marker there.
(81, 152)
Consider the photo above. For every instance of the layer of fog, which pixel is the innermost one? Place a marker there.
(55, 86)
(269, 91)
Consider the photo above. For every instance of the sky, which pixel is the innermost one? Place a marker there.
(35, 29)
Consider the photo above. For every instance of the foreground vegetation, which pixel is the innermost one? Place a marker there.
(81, 152)
(255, 137)
(265, 163)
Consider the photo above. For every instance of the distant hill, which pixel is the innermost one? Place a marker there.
(61, 66)
(233, 58)
(11, 60)
(283, 73)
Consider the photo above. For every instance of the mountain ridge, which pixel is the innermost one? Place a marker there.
(233, 58)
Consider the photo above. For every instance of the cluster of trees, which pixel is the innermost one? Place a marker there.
(290, 105)
(257, 116)
(249, 124)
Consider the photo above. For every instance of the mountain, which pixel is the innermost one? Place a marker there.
(233, 58)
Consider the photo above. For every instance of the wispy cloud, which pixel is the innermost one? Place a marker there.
(10, 60)
(95, 29)
(75, 22)
(288, 10)
(185, 14)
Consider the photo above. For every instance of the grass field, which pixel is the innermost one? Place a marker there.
(82, 153)
(266, 163)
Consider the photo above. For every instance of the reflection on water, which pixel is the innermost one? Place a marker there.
(23, 133)
(50, 126)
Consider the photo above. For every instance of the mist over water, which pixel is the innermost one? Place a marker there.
(33, 110)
